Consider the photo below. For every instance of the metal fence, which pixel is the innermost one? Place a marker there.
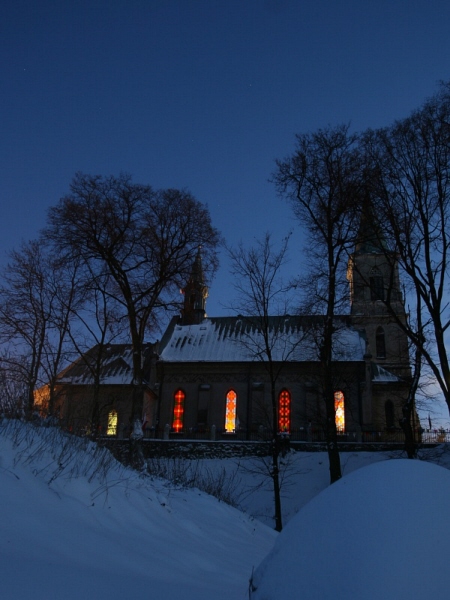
(395, 436)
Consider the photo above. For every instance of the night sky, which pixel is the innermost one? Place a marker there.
(199, 94)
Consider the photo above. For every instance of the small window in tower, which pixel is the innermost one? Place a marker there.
(339, 409)
(284, 411)
(230, 412)
(112, 423)
(178, 410)
(380, 343)
(376, 285)
(389, 413)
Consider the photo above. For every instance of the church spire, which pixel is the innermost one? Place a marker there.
(195, 294)
(370, 238)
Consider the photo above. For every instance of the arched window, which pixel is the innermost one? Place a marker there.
(284, 411)
(376, 285)
(389, 413)
(178, 410)
(380, 343)
(112, 423)
(339, 409)
(230, 412)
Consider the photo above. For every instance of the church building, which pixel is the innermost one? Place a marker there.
(208, 378)
(213, 378)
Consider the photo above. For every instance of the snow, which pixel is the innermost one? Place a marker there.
(229, 339)
(75, 524)
(116, 535)
(380, 532)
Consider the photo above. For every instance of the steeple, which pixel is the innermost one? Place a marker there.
(370, 238)
(375, 295)
(195, 294)
(372, 268)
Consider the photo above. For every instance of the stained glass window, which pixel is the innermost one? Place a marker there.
(178, 410)
(284, 411)
(339, 409)
(112, 423)
(230, 412)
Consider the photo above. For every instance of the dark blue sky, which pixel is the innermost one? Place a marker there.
(199, 94)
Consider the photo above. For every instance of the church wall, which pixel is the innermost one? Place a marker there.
(77, 404)
(387, 417)
(206, 386)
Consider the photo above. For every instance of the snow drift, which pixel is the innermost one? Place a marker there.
(380, 532)
(78, 525)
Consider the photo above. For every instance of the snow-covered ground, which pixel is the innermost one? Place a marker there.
(380, 533)
(72, 530)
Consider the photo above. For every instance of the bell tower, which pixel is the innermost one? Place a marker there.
(195, 294)
(376, 299)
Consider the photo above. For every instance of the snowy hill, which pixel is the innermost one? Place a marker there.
(381, 532)
(69, 530)
(75, 524)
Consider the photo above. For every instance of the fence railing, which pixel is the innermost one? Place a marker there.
(301, 435)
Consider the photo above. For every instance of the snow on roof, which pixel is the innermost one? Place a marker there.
(382, 375)
(116, 366)
(238, 339)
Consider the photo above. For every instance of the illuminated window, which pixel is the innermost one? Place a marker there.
(112, 423)
(284, 411)
(230, 412)
(339, 410)
(178, 410)
(380, 343)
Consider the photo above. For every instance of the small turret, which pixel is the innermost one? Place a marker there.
(195, 294)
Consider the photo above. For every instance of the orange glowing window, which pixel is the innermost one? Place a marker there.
(339, 410)
(284, 411)
(112, 423)
(230, 412)
(178, 410)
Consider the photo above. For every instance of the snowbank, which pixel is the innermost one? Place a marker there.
(380, 532)
(111, 534)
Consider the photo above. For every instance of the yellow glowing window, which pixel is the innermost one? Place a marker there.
(339, 410)
(178, 411)
(112, 423)
(230, 412)
(284, 411)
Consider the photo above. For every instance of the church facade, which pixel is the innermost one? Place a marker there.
(214, 380)
(207, 378)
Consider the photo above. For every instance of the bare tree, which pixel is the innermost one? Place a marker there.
(410, 186)
(262, 299)
(36, 300)
(145, 239)
(96, 324)
(323, 182)
(12, 386)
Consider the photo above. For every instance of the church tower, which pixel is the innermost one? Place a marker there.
(195, 294)
(375, 294)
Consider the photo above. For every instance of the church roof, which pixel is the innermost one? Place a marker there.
(237, 339)
(116, 366)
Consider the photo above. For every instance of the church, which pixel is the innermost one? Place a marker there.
(211, 377)
(207, 379)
